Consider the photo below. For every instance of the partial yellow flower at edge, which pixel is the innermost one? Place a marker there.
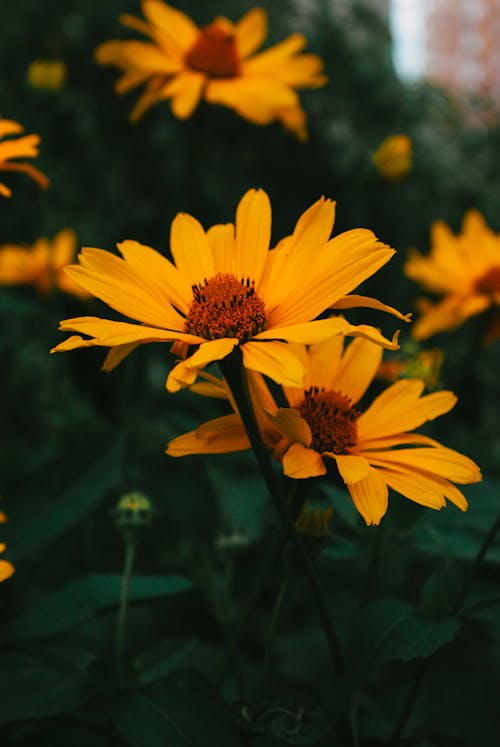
(373, 450)
(12, 147)
(463, 269)
(393, 157)
(184, 63)
(47, 75)
(6, 568)
(42, 264)
(228, 289)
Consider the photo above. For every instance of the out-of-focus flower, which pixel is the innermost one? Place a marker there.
(464, 269)
(47, 75)
(314, 521)
(412, 363)
(392, 158)
(217, 62)
(6, 568)
(374, 449)
(42, 264)
(227, 289)
(18, 147)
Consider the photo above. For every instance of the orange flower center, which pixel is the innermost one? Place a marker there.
(214, 52)
(332, 420)
(224, 306)
(489, 282)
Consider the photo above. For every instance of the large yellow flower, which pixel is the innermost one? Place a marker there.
(227, 289)
(42, 264)
(464, 269)
(184, 63)
(373, 449)
(20, 147)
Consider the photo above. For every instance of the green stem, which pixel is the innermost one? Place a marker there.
(121, 628)
(409, 705)
(235, 375)
(273, 625)
(488, 541)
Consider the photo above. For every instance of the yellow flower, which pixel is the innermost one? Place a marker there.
(226, 289)
(464, 269)
(392, 158)
(6, 568)
(47, 75)
(184, 63)
(42, 264)
(373, 449)
(21, 147)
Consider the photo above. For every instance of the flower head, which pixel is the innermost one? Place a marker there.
(227, 289)
(42, 264)
(464, 269)
(184, 63)
(18, 147)
(47, 75)
(373, 448)
(392, 158)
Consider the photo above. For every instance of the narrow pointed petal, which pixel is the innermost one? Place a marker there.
(370, 496)
(355, 301)
(117, 354)
(437, 460)
(253, 234)
(219, 436)
(221, 240)
(190, 249)
(251, 31)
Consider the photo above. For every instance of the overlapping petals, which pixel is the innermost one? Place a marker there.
(226, 288)
(13, 147)
(183, 63)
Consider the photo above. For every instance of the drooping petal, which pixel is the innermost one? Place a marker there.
(190, 249)
(273, 359)
(116, 355)
(355, 301)
(370, 496)
(185, 373)
(219, 436)
(291, 425)
(424, 488)
(301, 463)
(352, 468)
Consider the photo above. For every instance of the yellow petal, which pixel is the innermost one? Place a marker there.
(185, 91)
(273, 359)
(64, 247)
(176, 31)
(306, 333)
(323, 363)
(400, 408)
(258, 99)
(301, 463)
(437, 460)
(219, 436)
(354, 301)
(6, 570)
(221, 240)
(370, 496)
(251, 31)
(427, 489)
(185, 373)
(357, 368)
(116, 355)
(9, 127)
(291, 425)
(190, 249)
(352, 468)
(253, 234)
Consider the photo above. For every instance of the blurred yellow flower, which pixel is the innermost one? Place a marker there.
(21, 147)
(42, 264)
(47, 75)
(392, 158)
(314, 521)
(227, 289)
(464, 269)
(6, 568)
(373, 449)
(184, 63)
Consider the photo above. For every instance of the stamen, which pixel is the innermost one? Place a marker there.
(214, 52)
(224, 306)
(489, 282)
(332, 420)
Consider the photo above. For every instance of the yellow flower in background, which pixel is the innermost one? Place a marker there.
(18, 147)
(392, 158)
(464, 269)
(6, 568)
(412, 363)
(47, 75)
(228, 289)
(42, 264)
(184, 63)
(373, 448)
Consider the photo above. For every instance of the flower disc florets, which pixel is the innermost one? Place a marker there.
(332, 420)
(214, 52)
(224, 306)
(489, 282)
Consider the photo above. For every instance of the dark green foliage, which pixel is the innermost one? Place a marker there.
(416, 617)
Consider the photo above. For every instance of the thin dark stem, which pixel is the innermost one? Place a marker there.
(235, 375)
(409, 705)
(488, 541)
(121, 628)
(273, 625)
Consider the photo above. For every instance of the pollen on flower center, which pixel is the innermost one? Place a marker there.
(332, 420)
(224, 306)
(490, 281)
(214, 52)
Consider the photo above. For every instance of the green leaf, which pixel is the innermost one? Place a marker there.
(41, 520)
(161, 660)
(40, 685)
(60, 610)
(144, 723)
